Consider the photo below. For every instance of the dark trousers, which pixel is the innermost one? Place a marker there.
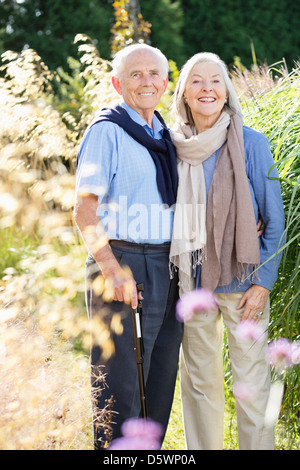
(162, 334)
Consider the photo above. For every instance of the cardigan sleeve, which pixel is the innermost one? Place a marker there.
(266, 194)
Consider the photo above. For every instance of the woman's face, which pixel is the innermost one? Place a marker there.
(205, 94)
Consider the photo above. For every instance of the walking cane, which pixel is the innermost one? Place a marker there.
(136, 317)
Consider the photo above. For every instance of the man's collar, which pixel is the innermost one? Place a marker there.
(135, 116)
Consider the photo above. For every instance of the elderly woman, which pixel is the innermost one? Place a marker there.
(225, 182)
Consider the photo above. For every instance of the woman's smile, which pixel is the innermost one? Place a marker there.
(205, 94)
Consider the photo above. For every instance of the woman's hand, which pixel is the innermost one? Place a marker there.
(260, 226)
(254, 302)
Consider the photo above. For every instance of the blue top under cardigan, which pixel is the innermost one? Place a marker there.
(266, 198)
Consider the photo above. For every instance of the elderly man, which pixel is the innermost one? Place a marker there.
(126, 186)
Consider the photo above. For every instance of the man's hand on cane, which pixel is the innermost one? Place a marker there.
(120, 282)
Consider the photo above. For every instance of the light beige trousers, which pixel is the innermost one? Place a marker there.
(202, 379)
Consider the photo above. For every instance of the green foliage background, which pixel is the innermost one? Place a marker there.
(227, 27)
(179, 28)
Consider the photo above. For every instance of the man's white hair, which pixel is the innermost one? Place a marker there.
(119, 60)
(180, 108)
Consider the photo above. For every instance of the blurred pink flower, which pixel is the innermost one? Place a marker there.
(138, 434)
(250, 330)
(245, 392)
(280, 354)
(137, 427)
(194, 302)
(295, 353)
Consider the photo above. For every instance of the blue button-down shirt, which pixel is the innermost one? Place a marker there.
(121, 172)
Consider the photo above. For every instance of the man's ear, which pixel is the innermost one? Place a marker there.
(116, 85)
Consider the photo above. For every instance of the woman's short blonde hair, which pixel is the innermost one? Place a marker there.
(180, 108)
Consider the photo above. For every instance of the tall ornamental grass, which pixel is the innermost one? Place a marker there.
(45, 395)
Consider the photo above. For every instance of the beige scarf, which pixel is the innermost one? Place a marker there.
(222, 235)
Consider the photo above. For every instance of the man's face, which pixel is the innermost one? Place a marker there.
(142, 83)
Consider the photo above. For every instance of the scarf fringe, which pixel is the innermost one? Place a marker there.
(243, 274)
(196, 259)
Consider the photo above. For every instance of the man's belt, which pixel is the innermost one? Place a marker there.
(141, 247)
